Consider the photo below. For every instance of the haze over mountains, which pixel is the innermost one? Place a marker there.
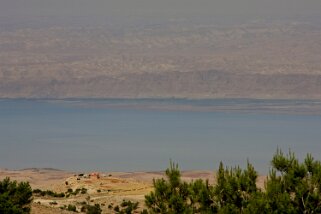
(97, 56)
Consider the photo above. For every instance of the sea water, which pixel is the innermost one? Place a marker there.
(144, 135)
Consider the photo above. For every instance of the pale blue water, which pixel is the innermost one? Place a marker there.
(72, 135)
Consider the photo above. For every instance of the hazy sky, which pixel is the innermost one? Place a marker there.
(160, 7)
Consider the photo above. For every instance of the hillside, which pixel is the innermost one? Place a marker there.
(110, 188)
(168, 59)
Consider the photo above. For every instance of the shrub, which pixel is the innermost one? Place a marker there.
(72, 208)
(91, 209)
(83, 191)
(83, 202)
(37, 191)
(15, 197)
(53, 203)
(126, 207)
(49, 193)
(76, 192)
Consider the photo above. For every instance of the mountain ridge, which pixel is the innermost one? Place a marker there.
(198, 84)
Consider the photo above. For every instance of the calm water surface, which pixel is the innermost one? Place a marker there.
(70, 136)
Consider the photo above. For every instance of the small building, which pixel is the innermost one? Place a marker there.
(94, 175)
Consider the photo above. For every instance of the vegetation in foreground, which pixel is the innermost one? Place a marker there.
(15, 198)
(291, 187)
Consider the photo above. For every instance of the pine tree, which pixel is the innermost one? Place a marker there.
(291, 187)
(15, 198)
(235, 188)
(171, 195)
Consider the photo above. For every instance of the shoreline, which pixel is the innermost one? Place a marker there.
(242, 105)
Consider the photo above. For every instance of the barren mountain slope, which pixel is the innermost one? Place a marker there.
(258, 60)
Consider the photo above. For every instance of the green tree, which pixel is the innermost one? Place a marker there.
(202, 197)
(291, 187)
(294, 187)
(15, 198)
(171, 195)
(235, 188)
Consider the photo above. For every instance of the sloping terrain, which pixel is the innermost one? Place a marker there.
(174, 59)
(108, 189)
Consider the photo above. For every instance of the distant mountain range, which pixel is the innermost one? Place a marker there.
(174, 59)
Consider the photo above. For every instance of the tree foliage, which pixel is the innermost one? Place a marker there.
(290, 187)
(15, 198)
(170, 196)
